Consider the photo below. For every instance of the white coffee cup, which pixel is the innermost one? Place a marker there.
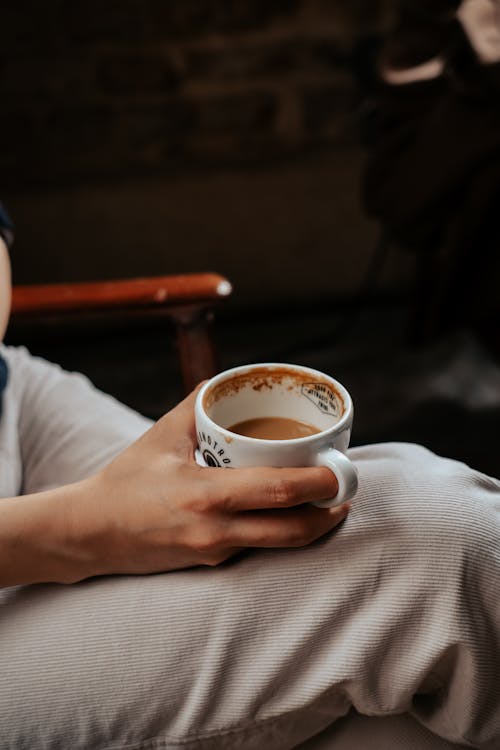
(277, 390)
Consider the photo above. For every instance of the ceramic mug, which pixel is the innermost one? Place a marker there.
(274, 390)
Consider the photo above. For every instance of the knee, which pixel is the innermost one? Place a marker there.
(429, 505)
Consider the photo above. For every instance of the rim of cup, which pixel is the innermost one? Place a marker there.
(227, 374)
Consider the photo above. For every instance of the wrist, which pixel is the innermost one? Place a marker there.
(49, 537)
(82, 532)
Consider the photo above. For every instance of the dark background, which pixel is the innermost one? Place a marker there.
(161, 136)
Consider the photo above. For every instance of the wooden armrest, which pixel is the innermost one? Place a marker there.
(186, 298)
(153, 292)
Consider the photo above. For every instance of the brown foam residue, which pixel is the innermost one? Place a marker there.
(263, 377)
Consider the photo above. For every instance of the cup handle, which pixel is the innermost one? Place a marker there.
(345, 473)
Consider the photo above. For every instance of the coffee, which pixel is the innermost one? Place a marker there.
(273, 428)
(280, 415)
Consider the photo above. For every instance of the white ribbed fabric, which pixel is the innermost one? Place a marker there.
(397, 612)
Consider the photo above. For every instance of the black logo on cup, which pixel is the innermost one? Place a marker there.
(210, 459)
(323, 397)
(213, 453)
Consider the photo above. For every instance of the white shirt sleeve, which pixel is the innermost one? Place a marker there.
(67, 429)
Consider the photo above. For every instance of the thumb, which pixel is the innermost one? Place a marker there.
(177, 427)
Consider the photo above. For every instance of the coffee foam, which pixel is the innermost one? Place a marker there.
(261, 378)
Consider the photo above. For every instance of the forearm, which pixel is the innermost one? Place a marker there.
(45, 538)
(153, 509)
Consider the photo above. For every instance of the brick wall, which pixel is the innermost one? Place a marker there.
(144, 103)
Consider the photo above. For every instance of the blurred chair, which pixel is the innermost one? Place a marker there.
(188, 300)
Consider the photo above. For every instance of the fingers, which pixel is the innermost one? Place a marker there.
(259, 488)
(262, 507)
(295, 527)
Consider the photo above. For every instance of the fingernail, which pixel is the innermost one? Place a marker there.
(342, 509)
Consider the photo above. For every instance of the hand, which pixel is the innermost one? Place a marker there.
(154, 509)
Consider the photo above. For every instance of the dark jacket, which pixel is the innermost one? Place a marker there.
(6, 226)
